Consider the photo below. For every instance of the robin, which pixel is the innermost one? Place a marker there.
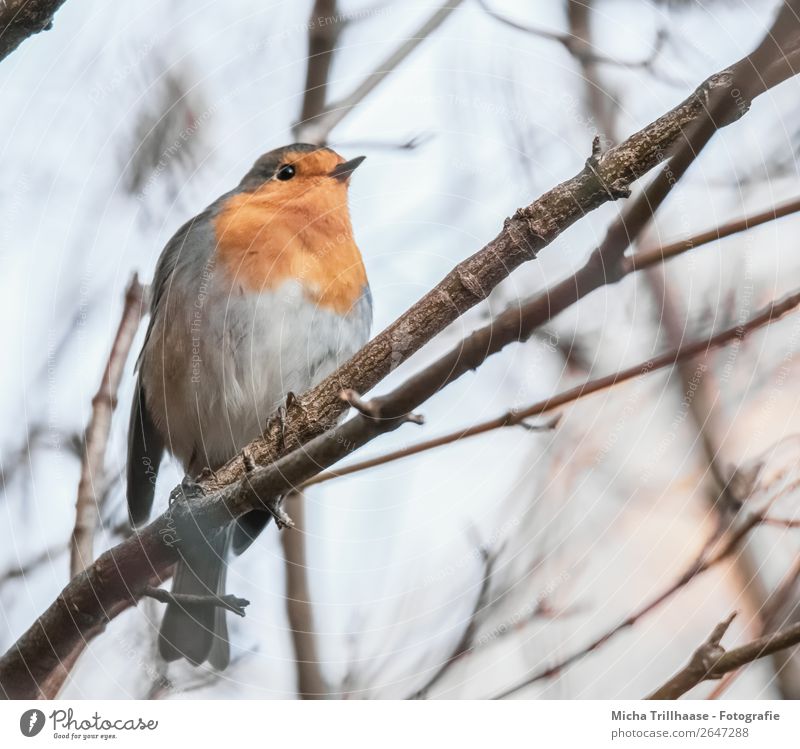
(260, 296)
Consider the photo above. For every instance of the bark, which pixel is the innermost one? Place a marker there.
(20, 19)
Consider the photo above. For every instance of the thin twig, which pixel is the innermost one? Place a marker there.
(650, 257)
(300, 613)
(99, 428)
(466, 642)
(230, 602)
(704, 561)
(699, 667)
(410, 144)
(577, 46)
(712, 661)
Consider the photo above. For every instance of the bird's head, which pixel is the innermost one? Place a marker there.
(300, 173)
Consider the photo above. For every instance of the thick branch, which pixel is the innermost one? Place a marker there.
(20, 19)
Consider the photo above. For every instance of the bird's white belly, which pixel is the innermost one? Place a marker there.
(244, 353)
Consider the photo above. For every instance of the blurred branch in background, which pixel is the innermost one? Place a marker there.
(20, 19)
(575, 42)
(35, 435)
(115, 581)
(21, 572)
(467, 640)
(720, 546)
(600, 103)
(316, 125)
(324, 31)
(104, 403)
(310, 682)
(603, 108)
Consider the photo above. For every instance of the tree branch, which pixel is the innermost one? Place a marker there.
(575, 42)
(94, 450)
(322, 38)
(712, 661)
(699, 666)
(317, 128)
(466, 642)
(20, 19)
(705, 560)
(310, 682)
(649, 257)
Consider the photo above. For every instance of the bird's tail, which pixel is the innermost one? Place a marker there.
(198, 632)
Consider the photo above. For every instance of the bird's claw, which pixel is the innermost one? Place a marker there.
(282, 519)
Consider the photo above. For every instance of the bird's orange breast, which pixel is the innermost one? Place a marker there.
(262, 244)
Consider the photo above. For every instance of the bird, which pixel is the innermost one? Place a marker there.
(256, 299)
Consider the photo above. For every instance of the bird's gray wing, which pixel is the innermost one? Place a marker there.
(145, 441)
(145, 450)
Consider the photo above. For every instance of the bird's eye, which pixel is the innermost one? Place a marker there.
(285, 172)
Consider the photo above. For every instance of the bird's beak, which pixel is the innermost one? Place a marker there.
(343, 171)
